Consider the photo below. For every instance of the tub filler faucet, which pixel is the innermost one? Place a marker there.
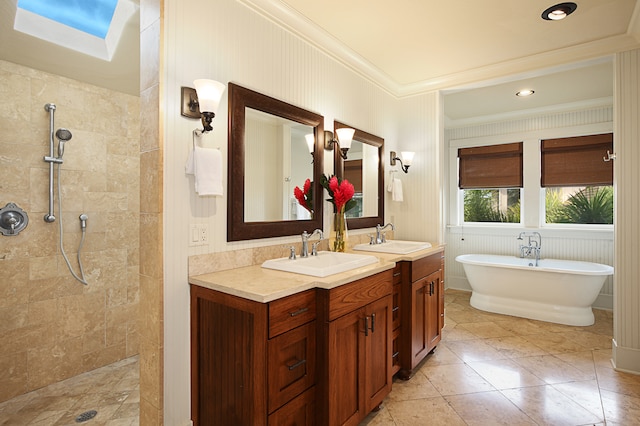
(533, 247)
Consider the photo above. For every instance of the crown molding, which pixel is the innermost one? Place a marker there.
(288, 18)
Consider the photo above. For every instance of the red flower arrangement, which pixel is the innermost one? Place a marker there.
(305, 196)
(340, 191)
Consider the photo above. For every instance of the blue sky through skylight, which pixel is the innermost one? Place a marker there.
(92, 17)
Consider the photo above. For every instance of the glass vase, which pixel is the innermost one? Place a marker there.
(339, 237)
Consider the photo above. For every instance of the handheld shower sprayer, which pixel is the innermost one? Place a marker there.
(63, 135)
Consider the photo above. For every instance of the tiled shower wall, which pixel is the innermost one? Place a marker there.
(51, 326)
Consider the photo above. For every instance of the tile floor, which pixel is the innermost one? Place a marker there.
(492, 369)
(489, 369)
(113, 391)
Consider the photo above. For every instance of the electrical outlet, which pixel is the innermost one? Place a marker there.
(198, 235)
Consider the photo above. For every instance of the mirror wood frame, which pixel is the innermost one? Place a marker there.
(376, 141)
(237, 229)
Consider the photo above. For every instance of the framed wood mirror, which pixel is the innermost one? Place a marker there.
(364, 168)
(268, 158)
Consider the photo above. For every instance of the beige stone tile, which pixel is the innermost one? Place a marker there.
(474, 350)
(553, 370)
(457, 333)
(151, 375)
(505, 374)
(617, 381)
(13, 377)
(436, 411)
(586, 394)
(381, 417)
(554, 343)
(468, 316)
(519, 326)
(583, 361)
(545, 405)
(588, 339)
(455, 379)
(442, 355)
(515, 347)
(488, 408)
(485, 330)
(418, 387)
(621, 409)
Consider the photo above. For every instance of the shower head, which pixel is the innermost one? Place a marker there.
(63, 135)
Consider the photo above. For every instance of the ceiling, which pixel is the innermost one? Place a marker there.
(480, 53)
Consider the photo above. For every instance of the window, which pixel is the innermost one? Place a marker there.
(491, 178)
(578, 182)
(90, 27)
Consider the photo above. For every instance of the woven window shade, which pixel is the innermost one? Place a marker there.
(492, 166)
(577, 161)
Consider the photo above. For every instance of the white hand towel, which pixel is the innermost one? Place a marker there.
(207, 168)
(396, 190)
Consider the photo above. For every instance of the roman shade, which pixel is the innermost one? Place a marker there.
(491, 166)
(577, 161)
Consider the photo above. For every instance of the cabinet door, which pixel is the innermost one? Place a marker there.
(419, 310)
(346, 369)
(432, 325)
(378, 343)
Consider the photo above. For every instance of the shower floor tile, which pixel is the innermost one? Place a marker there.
(113, 391)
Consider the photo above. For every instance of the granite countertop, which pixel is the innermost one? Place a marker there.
(265, 285)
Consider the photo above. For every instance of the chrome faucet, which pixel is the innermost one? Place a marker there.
(533, 247)
(305, 243)
(380, 237)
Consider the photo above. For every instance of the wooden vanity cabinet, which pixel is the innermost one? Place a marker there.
(252, 363)
(355, 333)
(421, 310)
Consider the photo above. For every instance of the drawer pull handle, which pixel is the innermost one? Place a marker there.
(395, 309)
(373, 323)
(395, 355)
(397, 274)
(296, 364)
(298, 312)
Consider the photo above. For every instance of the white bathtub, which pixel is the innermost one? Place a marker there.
(560, 291)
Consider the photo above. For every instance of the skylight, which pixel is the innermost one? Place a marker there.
(91, 27)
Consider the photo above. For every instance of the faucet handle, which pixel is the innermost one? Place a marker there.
(372, 239)
(314, 248)
(292, 252)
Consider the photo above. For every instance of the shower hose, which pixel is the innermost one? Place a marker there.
(82, 278)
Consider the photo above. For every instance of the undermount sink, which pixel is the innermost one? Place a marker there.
(394, 247)
(325, 263)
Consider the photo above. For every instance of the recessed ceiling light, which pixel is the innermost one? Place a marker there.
(559, 11)
(525, 92)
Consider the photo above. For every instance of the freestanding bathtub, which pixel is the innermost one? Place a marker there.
(560, 291)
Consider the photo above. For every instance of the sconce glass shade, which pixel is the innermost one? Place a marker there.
(345, 136)
(311, 142)
(407, 157)
(209, 94)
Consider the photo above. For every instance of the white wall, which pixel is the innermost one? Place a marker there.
(226, 41)
(594, 245)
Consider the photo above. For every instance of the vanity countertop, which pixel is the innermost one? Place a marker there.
(265, 285)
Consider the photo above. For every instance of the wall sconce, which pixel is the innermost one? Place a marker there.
(405, 161)
(343, 139)
(311, 144)
(202, 102)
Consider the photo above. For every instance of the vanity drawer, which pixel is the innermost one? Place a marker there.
(291, 364)
(397, 273)
(290, 312)
(427, 265)
(349, 297)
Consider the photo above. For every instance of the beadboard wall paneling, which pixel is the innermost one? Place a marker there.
(627, 235)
